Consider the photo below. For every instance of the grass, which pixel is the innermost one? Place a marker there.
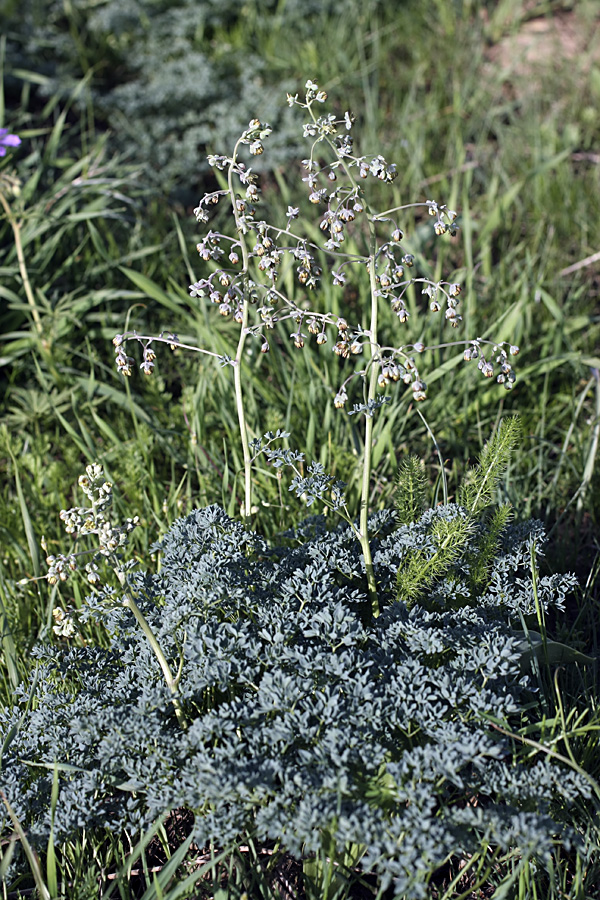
(101, 249)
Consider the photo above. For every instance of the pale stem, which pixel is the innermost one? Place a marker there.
(239, 403)
(368, 460)
(170, 341)
(237, 370)
(171, 680)
(363, 533)
(16, 228)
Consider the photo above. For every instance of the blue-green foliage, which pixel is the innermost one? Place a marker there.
(310, 722)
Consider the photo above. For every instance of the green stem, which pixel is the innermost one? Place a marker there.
(368, 459)
(374, 365)
(16, 228)
(237, 371)
(171, 680)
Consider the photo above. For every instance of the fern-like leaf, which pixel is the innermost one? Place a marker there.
(488, 543)
(422, 568)
(411, 489)
(478, 491)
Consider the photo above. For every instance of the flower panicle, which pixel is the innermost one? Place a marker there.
(82, 521)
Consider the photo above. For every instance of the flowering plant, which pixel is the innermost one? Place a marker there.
(247, 288)
(344, 694)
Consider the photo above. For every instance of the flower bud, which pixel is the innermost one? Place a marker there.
(340, 398)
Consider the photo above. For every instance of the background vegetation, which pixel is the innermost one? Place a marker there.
(117, 105)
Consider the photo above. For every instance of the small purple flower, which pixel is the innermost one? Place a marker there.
(7, 140)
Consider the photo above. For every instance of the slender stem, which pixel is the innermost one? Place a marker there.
(439, 456)
(368, 459)
(386, 212)
(133, 335)
(16, 228)
(237, 371)
(171, 680)
(548, 750)
(239, 403)
(363, 534)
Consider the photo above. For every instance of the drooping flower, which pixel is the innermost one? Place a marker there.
(7, 140)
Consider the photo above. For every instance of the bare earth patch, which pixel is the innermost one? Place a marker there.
(549, 42)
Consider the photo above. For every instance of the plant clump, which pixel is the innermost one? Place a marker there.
(309, 722)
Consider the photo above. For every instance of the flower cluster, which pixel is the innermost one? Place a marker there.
(499, 356)
(125, 363)
(81, 521)
(246, 267)
(59, 567)
(64, 625)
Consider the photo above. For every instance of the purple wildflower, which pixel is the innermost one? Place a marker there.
(7, 140)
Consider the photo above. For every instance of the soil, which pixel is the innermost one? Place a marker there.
(537, 44)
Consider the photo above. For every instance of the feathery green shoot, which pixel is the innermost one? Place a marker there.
(478, 491)
(422, 568)
(411, 489)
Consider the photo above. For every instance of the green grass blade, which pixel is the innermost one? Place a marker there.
(167, 873)
(32, 857)
(150, 289)
(7, 641)
(51, 867)
(32, 541)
